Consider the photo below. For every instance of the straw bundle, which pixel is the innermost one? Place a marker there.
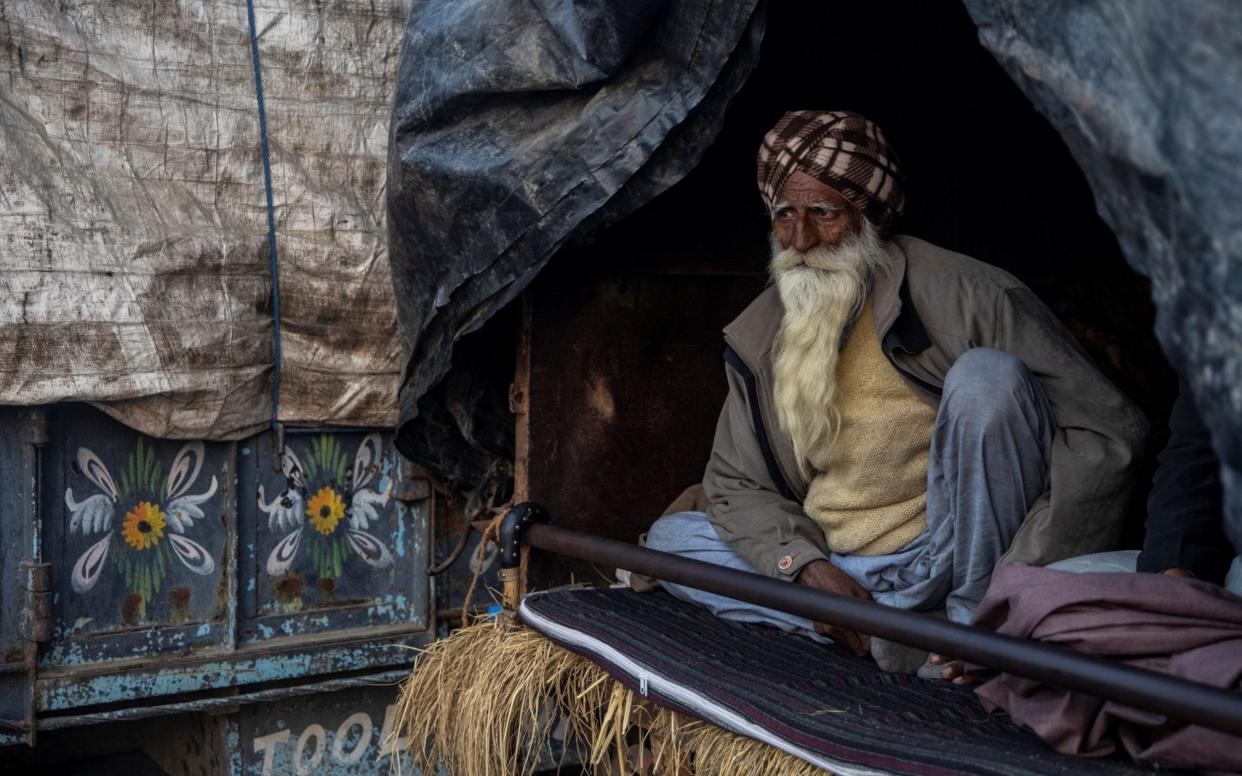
(485, 702)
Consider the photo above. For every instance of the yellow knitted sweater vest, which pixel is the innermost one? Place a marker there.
(869, 493)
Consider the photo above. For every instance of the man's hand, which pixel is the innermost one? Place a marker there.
(822, 575)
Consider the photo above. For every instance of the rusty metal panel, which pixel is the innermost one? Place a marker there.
(166, 568)
(626, 382)
(333, 734)
(140, 533)
(151, 681)
(14, 544)
(325, 545)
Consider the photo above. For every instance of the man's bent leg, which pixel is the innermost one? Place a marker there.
(989, 463)
(691, 535)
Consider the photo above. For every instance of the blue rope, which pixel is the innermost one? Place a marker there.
(271, 215)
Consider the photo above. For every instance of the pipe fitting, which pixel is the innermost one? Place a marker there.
(514, 526)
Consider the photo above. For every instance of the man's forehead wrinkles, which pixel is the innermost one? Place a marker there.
(808, 202)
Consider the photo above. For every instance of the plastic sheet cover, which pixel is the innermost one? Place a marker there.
(1148, 97)
(518, 125)
(133, 222)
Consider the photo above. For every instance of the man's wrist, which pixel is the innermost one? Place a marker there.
(814, 569)
(790, 564)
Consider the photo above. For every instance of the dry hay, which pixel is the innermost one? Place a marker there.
(485, 701)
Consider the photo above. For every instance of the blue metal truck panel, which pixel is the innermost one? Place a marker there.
(180, 573)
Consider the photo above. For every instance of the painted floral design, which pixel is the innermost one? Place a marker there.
(144, 526)
(325, 510)
(158, 510)
(322, 492)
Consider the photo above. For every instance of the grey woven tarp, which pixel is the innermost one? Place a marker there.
(518, 124)
(1148, 97)
(133, 225)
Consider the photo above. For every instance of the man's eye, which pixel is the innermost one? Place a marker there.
(825, 213)
(784, 214)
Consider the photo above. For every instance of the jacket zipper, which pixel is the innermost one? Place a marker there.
(934, 390)
(761, 388)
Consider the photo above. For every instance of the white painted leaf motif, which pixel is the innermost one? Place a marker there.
(283, 553)
(192, 554)
(91, 515)
(185, 469)
(292, 467)
(364, 507)
(283, 512)
(369, 548)
(94, 470)
(183, 511)
(90, 564)
(366, 461)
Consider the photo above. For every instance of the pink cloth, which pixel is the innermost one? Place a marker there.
(1181, 627)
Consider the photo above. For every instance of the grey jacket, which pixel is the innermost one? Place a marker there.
(930, 307)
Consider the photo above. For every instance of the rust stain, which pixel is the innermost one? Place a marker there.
(222, 587)
(130, 608)
(327, 586)
(179, 599)
(289, 589)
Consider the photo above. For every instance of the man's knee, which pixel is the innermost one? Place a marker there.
(984, 370)
(681, 532)
(987, 384)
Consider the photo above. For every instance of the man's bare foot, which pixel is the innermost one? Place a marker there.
(954, 669)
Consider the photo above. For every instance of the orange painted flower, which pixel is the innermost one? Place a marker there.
(325, 510)
(144, 526)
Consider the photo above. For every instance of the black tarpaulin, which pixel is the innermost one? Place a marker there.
(516, 126)
(1148, 97)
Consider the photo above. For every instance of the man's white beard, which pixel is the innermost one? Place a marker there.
(823, 290)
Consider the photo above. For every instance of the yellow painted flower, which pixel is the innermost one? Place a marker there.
(144, 526)
(325, 510)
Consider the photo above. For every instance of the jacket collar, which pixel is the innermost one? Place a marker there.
(895, 314)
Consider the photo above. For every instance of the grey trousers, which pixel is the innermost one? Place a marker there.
(988, 465)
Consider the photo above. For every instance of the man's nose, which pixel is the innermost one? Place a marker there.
(804, 237)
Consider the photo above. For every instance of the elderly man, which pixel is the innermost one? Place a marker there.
(900, 418)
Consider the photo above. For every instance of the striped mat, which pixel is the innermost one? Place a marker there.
(814, 701)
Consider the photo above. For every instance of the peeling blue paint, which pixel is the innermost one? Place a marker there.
(390, 606)
(235, 632)
(234, 744)
(399, 539)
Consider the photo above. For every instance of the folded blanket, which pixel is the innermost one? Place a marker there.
(1181, 627)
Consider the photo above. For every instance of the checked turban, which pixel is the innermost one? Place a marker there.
(841, 149)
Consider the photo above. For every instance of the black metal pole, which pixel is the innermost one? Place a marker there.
(1058, 666)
